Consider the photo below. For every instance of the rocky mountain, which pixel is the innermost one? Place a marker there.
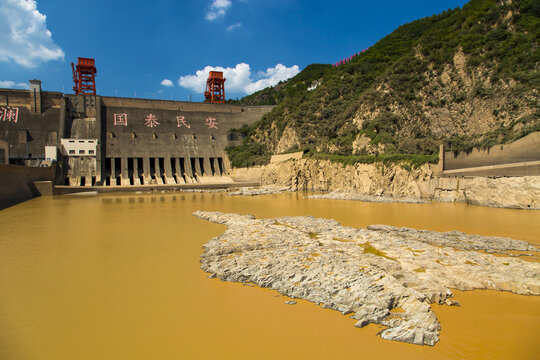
(467, 77)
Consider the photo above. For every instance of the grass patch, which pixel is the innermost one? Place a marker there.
(369, 249)
(281, 224)
(420, 270)
(248, 154)
(313, 235)
(342, 240)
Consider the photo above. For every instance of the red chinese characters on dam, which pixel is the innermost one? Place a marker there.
(211, 123)
(181, 121)
(120, 119)
(151, 121)
(8, 113)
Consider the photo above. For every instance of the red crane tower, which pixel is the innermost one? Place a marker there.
(215, 88)
(84, 76)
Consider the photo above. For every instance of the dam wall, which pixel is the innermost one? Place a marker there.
(26, 126)
(168, 142)
(4, 152)
(113, 141)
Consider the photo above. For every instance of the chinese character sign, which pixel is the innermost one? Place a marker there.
(8, 113)
(151, 121)
(180, 120)
(211, 123)
(120, 119)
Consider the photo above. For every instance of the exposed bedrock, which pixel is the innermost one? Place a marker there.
(393, 181)
(263, 190)
(339, 195)
(382, 274)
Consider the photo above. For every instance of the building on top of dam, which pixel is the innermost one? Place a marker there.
(99, 140)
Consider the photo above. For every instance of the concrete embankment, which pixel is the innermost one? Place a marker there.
(393, 180)
(17, 183)
(519, 158)
(382, 274)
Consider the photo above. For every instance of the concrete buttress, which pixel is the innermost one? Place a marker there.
(147, 177)
(169, 178)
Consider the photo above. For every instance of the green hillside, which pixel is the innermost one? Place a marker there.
(467, 77)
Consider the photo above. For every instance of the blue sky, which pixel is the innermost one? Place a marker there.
(139, 45)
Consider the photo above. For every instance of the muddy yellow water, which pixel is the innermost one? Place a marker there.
(117, 277)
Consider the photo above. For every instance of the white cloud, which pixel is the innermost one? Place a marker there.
(236, 77)
(8, 84)
(272, 77)
(239, 78)
(234, 26)
(167, 82)
(24, 37)
(217, 9)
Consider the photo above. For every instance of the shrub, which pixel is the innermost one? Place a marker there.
(248, 155)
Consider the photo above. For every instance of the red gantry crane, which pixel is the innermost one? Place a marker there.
(84, 76)
(215, 88)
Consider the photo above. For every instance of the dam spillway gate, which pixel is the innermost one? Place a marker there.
(160, 171)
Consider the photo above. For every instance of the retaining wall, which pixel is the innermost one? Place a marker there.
(284, 157)
(17, 183)
(247, 174)
(520, 158)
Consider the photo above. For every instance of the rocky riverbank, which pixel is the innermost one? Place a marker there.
(396, 182)
(339, 195)
(263, 190)
(382, 274)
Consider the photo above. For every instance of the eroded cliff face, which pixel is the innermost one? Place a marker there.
(323, 175)
(393, 180)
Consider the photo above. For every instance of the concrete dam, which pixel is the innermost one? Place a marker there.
(111, 141)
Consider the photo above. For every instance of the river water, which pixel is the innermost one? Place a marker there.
(117, 277)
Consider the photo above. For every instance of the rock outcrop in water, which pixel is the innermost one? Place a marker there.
(382, 274)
